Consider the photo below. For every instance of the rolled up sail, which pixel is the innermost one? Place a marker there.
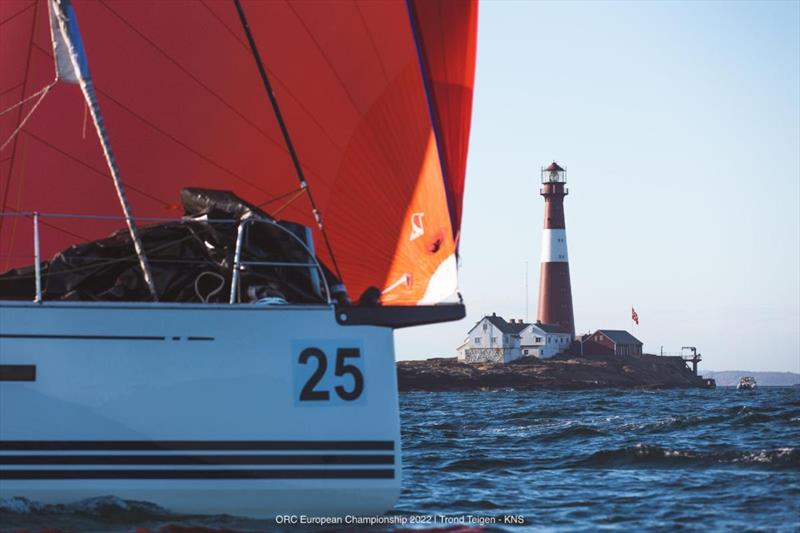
(375, 96)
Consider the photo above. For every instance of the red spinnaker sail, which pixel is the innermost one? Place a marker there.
(447, 36)
(376, 97)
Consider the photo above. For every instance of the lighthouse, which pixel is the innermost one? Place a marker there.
(555, 292)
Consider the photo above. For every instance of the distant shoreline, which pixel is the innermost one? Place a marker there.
(729, 378)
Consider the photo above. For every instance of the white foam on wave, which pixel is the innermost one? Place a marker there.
(19, 505)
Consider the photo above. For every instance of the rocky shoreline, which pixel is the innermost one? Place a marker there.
(563, 372)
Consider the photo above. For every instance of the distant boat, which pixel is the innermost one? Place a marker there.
(746, 383)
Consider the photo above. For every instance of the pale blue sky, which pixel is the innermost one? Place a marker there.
(679, 125)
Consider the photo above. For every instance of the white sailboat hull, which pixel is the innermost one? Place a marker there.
(238, 409)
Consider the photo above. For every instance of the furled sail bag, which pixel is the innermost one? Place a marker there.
(191, 260)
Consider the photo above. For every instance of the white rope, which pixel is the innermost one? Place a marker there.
(34, 95)
(212, 293)
(42, 93)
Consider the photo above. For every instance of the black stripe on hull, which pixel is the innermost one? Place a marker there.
(97, 337)
(196, 445)
(81, 337)
(17, 372)
(196, 474)
(182, 460)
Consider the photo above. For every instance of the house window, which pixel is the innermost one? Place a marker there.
(538, 339)
(485, 326)
(525, 352)
(477, 340)
(494, 339)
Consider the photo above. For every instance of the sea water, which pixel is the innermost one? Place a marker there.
(561, 461)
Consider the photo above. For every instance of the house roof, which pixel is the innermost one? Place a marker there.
(550, 328)
(506, 327)
(619, 336)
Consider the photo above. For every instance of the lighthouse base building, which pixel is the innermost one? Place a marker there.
(494, 340)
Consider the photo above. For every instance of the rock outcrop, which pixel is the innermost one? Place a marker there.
(564, 372)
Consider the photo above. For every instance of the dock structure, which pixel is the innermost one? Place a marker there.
(694, 358)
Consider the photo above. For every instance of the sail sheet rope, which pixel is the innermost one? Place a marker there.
(41, 93)
(286, 137)
(98, 262)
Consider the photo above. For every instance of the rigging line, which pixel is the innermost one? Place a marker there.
(427, 85)
(276, 198)
(279, 117)
(21, 11)
(288, 202)
(371, 40)
(41, 94)
(325, 57)
(90, 167)
(196, 79)
(162, 202)
(6, 91)
(278, 80)
(230, 30)
(31, 97)
(180, 143)
(53, 226)
(156, 128)
(20, 183)
(24, 88)
(105, 261)
(192, 76)
(445, 94)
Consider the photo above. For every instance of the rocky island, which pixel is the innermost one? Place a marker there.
(562, 372)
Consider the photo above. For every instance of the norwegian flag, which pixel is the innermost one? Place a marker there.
(634, 316)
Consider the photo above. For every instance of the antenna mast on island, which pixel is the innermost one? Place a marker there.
(526, 292)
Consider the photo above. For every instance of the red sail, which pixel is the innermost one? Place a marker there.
(184, 106)
(447, 35)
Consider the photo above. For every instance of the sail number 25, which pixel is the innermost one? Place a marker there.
(317, 384)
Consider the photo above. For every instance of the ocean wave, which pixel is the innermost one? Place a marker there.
(735, 416)
(648, 455)
(571, 431)
(106, 507)
(480, 465)
(535, 414)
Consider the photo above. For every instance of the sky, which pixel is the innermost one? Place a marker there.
(679, 126)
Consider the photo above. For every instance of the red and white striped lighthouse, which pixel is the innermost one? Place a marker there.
(555, 293)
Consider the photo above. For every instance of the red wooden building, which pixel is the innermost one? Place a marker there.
(611, 341)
